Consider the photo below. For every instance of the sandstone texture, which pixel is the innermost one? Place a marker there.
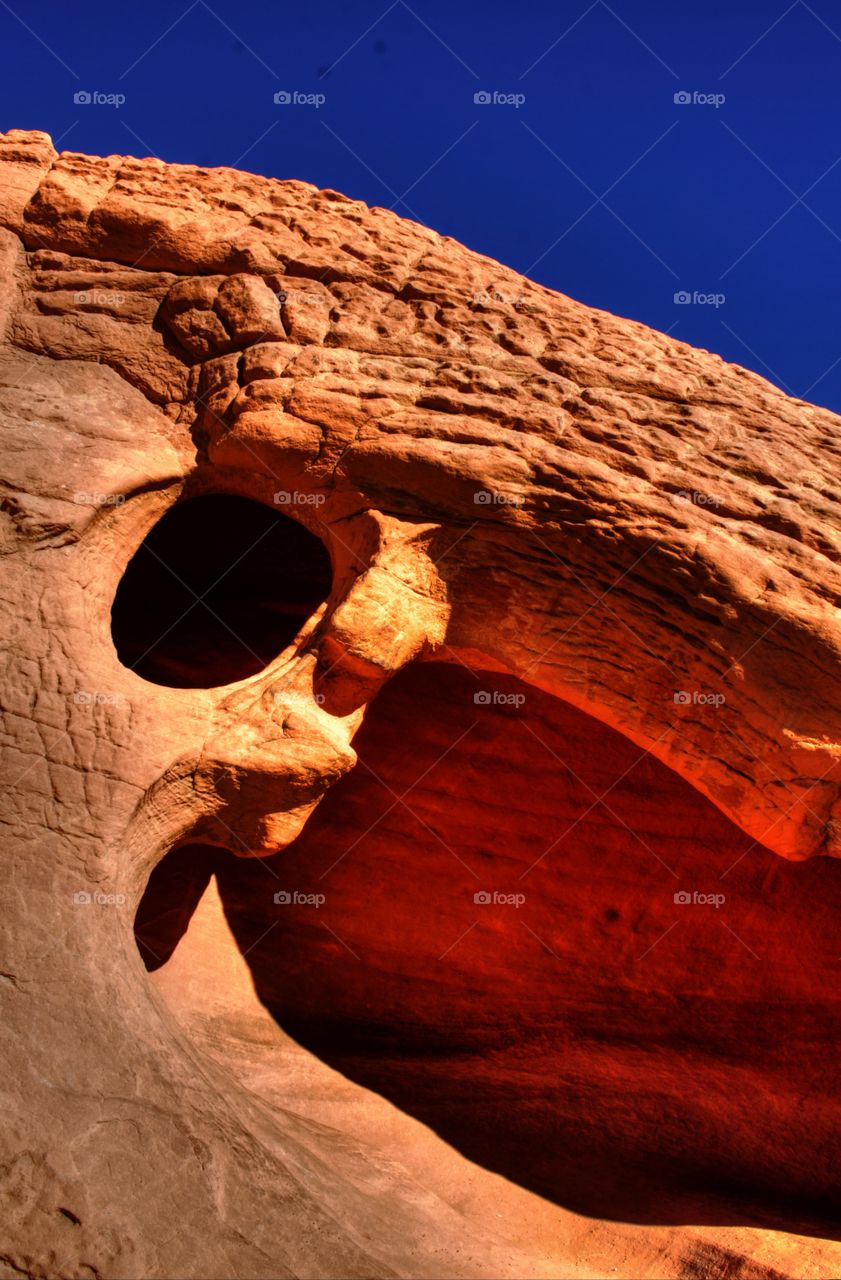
(577, 644)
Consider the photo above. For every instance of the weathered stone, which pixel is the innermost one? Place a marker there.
(514, 485)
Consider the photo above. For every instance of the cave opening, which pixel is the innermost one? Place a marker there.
(216, 590)
(173, 891)
(553, 952)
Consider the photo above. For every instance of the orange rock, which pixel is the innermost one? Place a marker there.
(639, 536)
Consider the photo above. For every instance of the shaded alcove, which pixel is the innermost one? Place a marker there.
(172, 894)
(620, 1052)
(216, 590)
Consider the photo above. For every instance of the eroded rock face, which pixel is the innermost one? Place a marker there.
(545, 945)
(506, 482)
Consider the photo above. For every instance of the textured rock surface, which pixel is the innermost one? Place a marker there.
(506, 482)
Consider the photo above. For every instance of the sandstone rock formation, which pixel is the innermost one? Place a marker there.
(577, 644)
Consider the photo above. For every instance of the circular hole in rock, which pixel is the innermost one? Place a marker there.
(215, 591)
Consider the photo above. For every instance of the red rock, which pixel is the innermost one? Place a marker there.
(521, 497)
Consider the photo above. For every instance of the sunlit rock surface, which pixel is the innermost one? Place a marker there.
(465, 748)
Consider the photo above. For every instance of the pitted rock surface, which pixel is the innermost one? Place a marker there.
(508, 483)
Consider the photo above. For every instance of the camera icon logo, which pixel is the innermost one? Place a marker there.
(682, 698)
(483, 497)
(82, 98)
(482, 698)
(682, 898)
(282, 498)
(682, 98)
(482, 898)
(282, 98)
(82, 898)
(682, 297)
(482, 98)
(283, 898)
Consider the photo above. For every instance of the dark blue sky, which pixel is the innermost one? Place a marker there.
(741, 199)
